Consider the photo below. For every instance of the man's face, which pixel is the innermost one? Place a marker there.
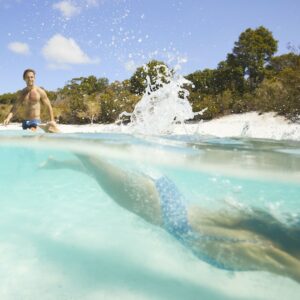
(29, 78)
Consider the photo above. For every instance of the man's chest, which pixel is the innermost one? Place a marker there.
(31, 98)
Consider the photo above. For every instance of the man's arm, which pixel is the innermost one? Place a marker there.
(13, 110)
(45, 100)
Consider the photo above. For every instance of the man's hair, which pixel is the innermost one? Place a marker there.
(27, 71)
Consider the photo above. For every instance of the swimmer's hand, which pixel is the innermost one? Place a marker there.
(50, 127)
(6, 121)
(51, 123)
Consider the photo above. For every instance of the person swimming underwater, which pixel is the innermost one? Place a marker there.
(236, 240)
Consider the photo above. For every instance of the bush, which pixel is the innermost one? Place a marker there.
(242, 104)
(4, 111)
(281, 94)
(116, 100)
(209, 103)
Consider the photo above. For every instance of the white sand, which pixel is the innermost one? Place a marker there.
(252, 125)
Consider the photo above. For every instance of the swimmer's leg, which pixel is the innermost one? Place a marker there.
(133, 191)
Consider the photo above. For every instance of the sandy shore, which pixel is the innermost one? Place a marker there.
(252, 125)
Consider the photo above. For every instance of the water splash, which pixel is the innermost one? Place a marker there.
(164, 104)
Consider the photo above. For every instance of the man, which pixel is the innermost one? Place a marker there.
(30, 99)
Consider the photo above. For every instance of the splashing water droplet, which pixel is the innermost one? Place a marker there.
(163, 104)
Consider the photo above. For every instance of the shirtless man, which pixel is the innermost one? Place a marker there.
(31, 98)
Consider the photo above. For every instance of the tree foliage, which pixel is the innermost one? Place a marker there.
(204, 82)
(148, 74)
(116, 100)
(252, 51)
(8, 98)
(281, 94)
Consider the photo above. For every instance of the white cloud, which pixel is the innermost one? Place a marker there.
(61, 52)
(19, 48)
(67, 8)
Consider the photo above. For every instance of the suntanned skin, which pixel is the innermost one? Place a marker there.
(31, 99)
(240, 240)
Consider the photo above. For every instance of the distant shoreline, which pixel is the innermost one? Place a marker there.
(247, 125)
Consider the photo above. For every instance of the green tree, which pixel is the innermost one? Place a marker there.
(8, 98)
(4, 111)
(91, 85)
(209, 103)
(86, 85)
(252, 51)
(77, 98)
(116, 99)
(204, 82)
(153, 70)
(92, 109)
(286, 61)
(281, 94)
(77, 106)
(230, 76)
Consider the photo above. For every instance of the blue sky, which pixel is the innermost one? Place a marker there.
(64, 39)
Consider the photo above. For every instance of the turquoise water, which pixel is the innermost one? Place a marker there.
(62, 237)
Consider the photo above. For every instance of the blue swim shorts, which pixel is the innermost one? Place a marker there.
(28, 124)
(174, 211)
(175, 219)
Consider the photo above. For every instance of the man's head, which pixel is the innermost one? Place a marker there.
(29, 77)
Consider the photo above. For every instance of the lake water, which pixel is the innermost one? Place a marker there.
(63, 237)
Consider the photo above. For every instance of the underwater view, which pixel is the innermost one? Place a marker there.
(66, 234)
(149, 150)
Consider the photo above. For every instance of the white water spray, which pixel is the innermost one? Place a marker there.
(163, 104)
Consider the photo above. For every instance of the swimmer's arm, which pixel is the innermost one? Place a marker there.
(13, 110)
(45, 100)
(261, 255)
(250, 250)
(270, 258)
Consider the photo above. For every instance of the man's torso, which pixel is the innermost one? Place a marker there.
(31, 103)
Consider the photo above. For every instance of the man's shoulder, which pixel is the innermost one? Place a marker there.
(40, 90)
